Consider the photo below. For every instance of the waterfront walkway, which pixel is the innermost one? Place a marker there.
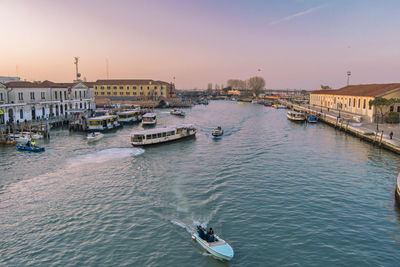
(358, 128)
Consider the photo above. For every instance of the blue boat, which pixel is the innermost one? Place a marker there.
(24, 147)
(312, 119)
(219, 248)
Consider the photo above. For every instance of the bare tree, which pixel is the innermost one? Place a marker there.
(209, 88)
(256, 84)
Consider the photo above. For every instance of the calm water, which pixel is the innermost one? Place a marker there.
(281, 193)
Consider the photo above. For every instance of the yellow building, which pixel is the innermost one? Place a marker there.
(141, 89)
(354, 99)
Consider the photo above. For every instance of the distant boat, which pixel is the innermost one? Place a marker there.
(217, 131)
(20, 138)
(279, 106)
(23, 147)
(93, 137)
(240, 102)
(295, 116)
(149, 119)
(311, 119)
(177, 112)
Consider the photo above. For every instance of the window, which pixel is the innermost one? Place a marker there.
(154, 136)
(20, 96)
(398, 109)
(115, 88)
(155, 87)
(159, 135)
(349, 102)
(391, 108)
(84, 94)
(108, 87)
(80, 94)
(121, 87)
(369, 106)
(364, 103)
(42, 95)
(96, 93)
(148, 87)
(32, 94)
(359, 103)
(134, 93)
(80, 105)
(128, 93)
(121, 93)
(148, 136)
(115, 93)
(55, 94)
(65, 94)
(21, 114)
(1, 97)
(108, 93)
(127, 88)
(141, 87)
(102, 93)
(164, 134)
(354, 103)
(102, 88)
(134, 87)
(76, 94)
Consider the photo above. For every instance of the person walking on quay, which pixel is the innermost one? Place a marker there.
(391, 135)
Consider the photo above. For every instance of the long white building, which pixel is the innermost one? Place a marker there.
(21, 100)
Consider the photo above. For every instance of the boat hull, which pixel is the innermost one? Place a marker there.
(221, 252)
(169, 140)
(30, 149)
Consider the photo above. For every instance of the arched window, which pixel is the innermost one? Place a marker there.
(21, 113)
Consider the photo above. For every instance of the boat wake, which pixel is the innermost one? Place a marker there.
(105, 155)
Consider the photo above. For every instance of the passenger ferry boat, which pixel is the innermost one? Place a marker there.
(103, 123)
(149, 119)
(128, 116)
(295, 116)
(397, 192)
(162, 135)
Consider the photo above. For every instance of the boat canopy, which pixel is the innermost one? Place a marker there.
(101, 118)
(149, 115)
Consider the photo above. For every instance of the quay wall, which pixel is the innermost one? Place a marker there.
(343, 124)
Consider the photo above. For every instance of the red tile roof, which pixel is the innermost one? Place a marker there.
(371, 90)
(23, 84)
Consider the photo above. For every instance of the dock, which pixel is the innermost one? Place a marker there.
(350, 126)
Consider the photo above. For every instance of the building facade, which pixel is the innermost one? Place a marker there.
(355, 99)
(140, 89)
(25, 101)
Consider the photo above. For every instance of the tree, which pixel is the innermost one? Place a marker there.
(381, 104)
(209, 89)
(256, 84)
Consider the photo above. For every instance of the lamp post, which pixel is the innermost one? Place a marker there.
(376, 119)
(348, 77)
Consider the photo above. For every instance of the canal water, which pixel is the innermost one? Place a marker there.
(281, 193)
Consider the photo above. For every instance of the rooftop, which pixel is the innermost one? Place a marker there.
(372, 90)
(130, 82)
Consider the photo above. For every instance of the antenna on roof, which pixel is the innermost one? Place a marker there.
(348, 77)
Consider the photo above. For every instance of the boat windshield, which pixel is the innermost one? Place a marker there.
(137, 138)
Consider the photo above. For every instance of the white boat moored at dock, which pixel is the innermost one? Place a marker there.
(162, 135)
(295, 116)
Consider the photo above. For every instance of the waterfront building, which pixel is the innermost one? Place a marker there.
(130, 88)
(25, 101)
(355, 99)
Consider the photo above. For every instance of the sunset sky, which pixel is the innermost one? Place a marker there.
(294, 43)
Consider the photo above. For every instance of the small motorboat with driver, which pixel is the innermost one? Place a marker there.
(218, 131)
(26, 147)
(177, 112)
(95, 136)
(213, 244)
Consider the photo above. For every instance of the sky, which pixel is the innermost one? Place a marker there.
(297, 44)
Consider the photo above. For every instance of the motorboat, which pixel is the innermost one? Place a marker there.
(219, 248)
(177, 112)
(311, 119)
(295, 116)
(279, 106)
(33, 135)
(95, 136)
(20, 138)
(217, 131)
(397, 191)
(25, 147)
(149, 119)
(162, 135)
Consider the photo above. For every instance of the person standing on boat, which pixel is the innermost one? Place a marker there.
(210, 235)
(33, 143)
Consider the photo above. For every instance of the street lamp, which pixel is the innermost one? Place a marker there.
(348, 77)
(376, 118)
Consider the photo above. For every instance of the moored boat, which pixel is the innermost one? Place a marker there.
(295, 116)
(128, 116)
(311, 119)
(101, 123)
(19, 138)
(219, 248)
(23, 147)
(95, 136)
(149, 119)
(397, 191)
(217, 131)
(162, 135)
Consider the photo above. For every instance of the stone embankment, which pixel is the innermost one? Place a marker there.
(364, 131)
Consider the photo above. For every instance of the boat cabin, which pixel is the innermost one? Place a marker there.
(149, 118)
(101, 123)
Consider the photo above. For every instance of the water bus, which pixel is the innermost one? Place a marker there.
(103, 123)
(149, 119)
(295, 116)
(128, 116)
(162, 135)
